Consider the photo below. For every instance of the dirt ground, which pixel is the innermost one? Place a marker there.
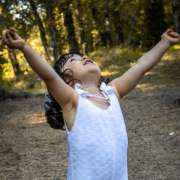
(31, 150)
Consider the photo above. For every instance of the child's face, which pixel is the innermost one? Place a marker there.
(82, 66)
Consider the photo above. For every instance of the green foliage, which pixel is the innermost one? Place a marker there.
(2, 61)
(117, 59)
(112, 27)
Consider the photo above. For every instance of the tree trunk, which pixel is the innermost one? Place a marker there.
(83, 19)
(41, 29)
(116, 17)
(68, 22)
(176, 11)
(52, 29)
(54, 45)
(14, 62)
(154, 22)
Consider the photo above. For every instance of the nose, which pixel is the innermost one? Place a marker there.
(84, 57)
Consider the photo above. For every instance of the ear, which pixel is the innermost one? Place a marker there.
(68, 78)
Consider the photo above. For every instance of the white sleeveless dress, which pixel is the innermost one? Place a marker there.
(98, 141)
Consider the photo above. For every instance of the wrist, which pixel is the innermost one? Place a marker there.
(165, 42)
(23, 46)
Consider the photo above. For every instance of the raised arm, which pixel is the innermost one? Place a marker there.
(62, 92)
(126, 82)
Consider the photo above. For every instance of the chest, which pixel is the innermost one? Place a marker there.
(93, 124)
(69, 113)
(100, 104)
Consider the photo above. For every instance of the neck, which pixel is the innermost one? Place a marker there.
(90, 82)
(91, 86)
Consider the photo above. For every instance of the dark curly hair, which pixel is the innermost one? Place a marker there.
(53, 111)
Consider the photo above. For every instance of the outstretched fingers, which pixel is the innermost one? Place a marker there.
(173, 33)
(9, 37)
(14, 33)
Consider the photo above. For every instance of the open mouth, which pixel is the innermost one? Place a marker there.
(88, 61)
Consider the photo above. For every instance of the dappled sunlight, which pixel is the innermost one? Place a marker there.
(8, 72)
(176, 47)
(168, 57)
(34, 40)
(19, 84)
(36, 118)
(23, 63)
(172, 54)
(117, 59)
(37, 90)
(147, 87)
(108, 73)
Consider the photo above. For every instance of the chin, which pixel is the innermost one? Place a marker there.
(94, 68)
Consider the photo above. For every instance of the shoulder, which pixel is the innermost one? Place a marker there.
(111, 83)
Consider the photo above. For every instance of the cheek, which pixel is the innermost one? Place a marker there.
(77, 69)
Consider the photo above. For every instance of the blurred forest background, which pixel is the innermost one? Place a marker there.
(113, 32)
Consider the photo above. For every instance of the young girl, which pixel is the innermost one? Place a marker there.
(89, 106)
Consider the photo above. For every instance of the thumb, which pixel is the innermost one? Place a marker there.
(14, 34)
(9, 36)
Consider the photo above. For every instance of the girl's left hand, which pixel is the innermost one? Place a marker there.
(171, 36)
(12, 39)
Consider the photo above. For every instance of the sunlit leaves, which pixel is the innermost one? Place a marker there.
(97, 24)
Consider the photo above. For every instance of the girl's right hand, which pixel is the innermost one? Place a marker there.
(170, 36)
(13, 40)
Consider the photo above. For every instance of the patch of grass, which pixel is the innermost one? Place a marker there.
(115, 61)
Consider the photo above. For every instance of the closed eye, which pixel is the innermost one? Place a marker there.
(72, 60)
